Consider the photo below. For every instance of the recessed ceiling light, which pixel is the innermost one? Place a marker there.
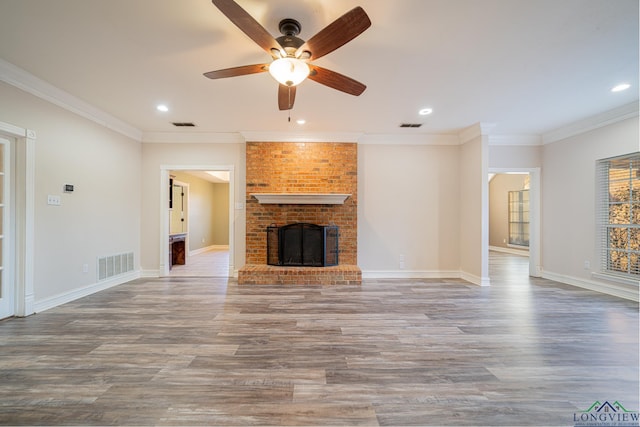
(163, 108)
(301, 121)
(620, 87)
(425, 111)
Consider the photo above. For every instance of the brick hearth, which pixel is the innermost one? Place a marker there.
(283, 167)
(268, 274)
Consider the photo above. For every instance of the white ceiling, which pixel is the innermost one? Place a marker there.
(529, 66)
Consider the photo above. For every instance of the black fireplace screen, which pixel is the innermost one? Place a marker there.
(302, 245)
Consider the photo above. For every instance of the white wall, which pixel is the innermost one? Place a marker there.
(100, 218)
(474, 211)
(157, 155)
(408, 204)
(220, 229)
(568, 199)
(515, 157)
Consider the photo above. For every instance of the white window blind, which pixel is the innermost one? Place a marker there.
(619, 215)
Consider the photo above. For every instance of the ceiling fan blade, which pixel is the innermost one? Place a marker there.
(339, 32)
(336, 80)
(248, 25)
(286, 97)
(237, 71)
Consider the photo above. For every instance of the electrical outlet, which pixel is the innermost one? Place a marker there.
(587, 265)
(85, 268)
(401, 261)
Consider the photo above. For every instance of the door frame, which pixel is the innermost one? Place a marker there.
(23, 216)
(535, 263)
(163, 268)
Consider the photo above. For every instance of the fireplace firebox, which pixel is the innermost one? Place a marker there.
(302, 245)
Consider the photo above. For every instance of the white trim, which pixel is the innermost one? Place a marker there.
(14, 131)
(615, 289)
(591, 123)
(346, 137)
(476, 280)
(75, 294)
(150, 273)
(24, 203)
(410, 274)
(207, 249)
(424, 274)
(475, 131)
(163, 266)
(535, 217)
(7, 220)
(301, 198)
(413, 139)
(192, 138)
(511, 251)
(615, 279)
(29, 83)
(515, 140)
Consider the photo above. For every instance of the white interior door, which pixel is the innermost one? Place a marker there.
(7, 289)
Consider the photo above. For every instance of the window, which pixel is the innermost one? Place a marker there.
(519, 218)
(619, 215)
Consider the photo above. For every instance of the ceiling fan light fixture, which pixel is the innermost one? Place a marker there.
(289, 71)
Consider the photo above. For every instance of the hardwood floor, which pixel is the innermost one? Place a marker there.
(205, 351)
(212, 263)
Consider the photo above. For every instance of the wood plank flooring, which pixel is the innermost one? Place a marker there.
(205, 351)
(212, 263)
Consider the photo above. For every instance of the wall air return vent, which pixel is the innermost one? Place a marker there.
(410, 125)
(114, 265)
(184, 124)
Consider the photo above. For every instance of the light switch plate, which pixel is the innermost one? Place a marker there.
(53, 200)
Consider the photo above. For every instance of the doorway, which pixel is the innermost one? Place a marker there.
(7, 288)
(197, 205)
(512, 219)
(18, 200)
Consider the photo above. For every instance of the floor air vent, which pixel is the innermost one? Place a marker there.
(114, 265)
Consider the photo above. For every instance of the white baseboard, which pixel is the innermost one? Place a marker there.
(512, 251)
(208, 248)
(63, 298)
(150, 273)
(616, 289)
(409, 274)
(422, 274)
(476, 280)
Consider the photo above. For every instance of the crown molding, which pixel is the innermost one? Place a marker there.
(25, 81)
(192, 138)
(619, 114)
(345, 137)
(515, 140)
(413, 139)
(476, 130)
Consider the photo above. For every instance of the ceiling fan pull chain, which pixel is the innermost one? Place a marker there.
(289, 104)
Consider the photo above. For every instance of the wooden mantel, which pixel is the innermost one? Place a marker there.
(301, 198)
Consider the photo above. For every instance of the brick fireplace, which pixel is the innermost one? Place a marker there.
(289, 168)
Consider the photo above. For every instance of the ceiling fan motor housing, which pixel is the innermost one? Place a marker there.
(290, 28)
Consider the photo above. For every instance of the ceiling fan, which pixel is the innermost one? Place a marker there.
(291, 55)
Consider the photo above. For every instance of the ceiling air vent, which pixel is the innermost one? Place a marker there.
(410, 125)
(184, 124)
